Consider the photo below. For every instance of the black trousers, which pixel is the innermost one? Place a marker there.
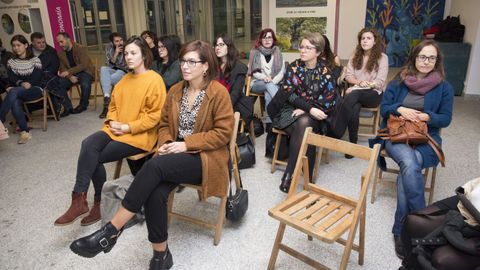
(348, 115)
(97, 149)
(154, 182)
(295, 132)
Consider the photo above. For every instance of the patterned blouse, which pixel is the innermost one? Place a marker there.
(315, 86)
(188, 118)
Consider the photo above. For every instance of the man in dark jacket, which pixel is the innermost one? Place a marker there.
(75, 67)
(50, 64)
(4, 57)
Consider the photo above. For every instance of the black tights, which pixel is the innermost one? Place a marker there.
(348, 114)
(295, 131)
(444, 257)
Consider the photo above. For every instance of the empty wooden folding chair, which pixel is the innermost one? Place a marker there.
(321, 213)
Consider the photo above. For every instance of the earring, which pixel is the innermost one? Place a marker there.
(204, 73)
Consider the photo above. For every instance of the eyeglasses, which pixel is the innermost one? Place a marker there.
(267, 38)
(161, 47)
(431, 59)
(307, 48)
(190, 63)
(220, 45)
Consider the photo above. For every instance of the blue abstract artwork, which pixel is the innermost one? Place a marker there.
(401, 23)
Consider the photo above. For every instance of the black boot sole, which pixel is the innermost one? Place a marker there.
(85, 253)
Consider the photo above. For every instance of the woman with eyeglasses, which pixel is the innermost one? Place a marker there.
(152, 41)
(266, 68)
(310, 86)
(195, 127)
(130, 128)
(24, 72)
(168, 66)
(418, 93)
(367, 71)
(232, 74)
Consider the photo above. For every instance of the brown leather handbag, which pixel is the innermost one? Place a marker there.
(400, 130)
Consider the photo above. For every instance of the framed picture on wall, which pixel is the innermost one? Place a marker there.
(291, 19)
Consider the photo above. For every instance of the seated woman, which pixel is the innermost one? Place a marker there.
(424, 221)
(312, 95)
(195, 128)
(367, 71)
(130, 128)
(24, 74)
(168, 66)
(329, 56)
(232, 75)
(266, 68)
(418, 93)
(152, 41)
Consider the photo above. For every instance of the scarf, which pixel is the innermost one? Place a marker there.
(424, 85)
(255, 63)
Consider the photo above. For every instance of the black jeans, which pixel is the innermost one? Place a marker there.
(97, 149)
(348, 114)
(154, 182)
(85, 81)
(296, 131)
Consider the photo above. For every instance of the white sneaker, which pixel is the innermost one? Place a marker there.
(24, 137)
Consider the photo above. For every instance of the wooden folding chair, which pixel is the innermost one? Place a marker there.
(380, 178)
(218, 225)
(96, 81)
(321, 213)
(374, 115)
(47, 105)
(258, 96)
(118, 164)
(276, 161)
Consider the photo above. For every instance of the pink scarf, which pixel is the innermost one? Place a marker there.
(424, 85)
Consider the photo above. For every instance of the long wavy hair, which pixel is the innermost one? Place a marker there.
(232, 53)
(375, 52)
(410, 69)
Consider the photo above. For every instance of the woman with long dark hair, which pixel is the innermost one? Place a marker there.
(232, 74)
(130, 128)
(367, 72)
(168, 66)
(24, 74)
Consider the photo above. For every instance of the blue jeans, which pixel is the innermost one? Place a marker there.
(14, 101)
(269, 89)
(410, 182)
(108, 78)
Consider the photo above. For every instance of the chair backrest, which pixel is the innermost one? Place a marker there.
(344, 147)
(233, 148)
(248, 82)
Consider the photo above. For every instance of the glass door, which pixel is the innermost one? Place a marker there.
(94, 20)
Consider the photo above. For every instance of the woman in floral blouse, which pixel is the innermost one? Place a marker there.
(310, 86)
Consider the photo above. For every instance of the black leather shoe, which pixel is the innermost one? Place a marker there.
(286, 181)
(66, 112)
(399, 247)
(161, 260)
(78, 109)
(347, 156)
(101, 240)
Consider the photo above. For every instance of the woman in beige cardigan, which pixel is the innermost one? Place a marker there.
(195, 128)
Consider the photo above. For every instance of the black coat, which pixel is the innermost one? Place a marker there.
(50, 64)
(4, 57)
(240, 102)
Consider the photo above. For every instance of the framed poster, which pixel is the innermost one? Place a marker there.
(290, 19)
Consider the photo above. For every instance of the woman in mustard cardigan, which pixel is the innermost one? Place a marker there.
(195, 128)
(130, 128)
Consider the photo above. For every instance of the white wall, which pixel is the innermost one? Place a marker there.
(352, 20)
(468, 11)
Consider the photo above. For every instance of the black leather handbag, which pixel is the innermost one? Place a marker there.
(246, 151)
(237, 204)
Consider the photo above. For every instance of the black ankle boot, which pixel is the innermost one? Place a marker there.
(161, 260)
(106, 102)
(286, 181)
(101, 240)
(269, 141)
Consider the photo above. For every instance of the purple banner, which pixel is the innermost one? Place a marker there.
(60, 19)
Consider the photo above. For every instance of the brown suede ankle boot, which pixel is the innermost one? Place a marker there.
(94, 214)
(78, 207)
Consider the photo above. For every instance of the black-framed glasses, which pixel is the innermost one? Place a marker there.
(190, 62)
(431, 59)
(220, 45)
(267, 38)
(161, 47)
